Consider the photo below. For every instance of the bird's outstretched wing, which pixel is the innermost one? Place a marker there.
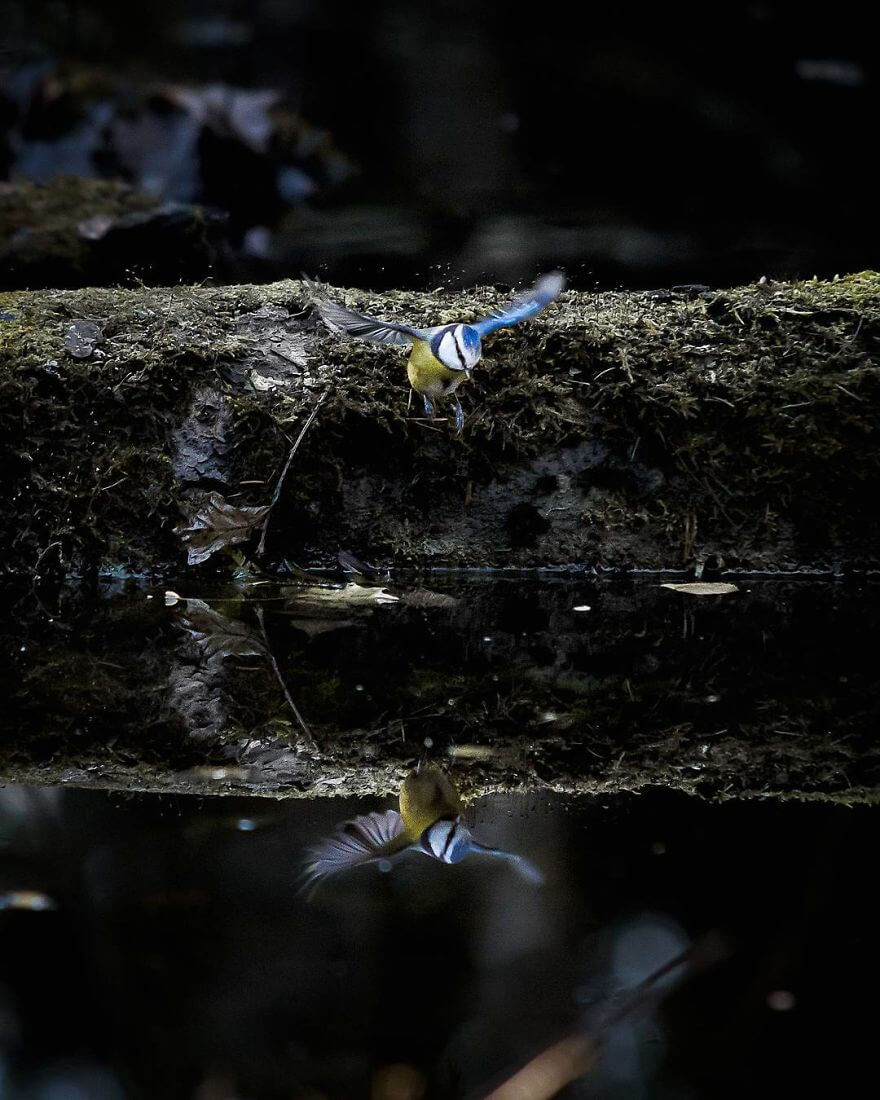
(373, 836)
(359, 324)
(524, 305)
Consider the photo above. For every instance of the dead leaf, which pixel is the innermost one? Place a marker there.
(316, 602)
(351, 564)
(703, 588)
(216, 636)
(217, 525)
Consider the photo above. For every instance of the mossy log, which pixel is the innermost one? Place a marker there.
(736, 428)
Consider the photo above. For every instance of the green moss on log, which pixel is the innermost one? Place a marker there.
(616, 429)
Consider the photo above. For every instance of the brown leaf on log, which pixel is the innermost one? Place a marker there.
(217, 525)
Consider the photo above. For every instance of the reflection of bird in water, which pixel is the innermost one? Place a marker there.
(429, 821)
(444, 356)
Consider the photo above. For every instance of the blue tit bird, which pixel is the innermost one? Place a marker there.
(429, 821)
(444, 356)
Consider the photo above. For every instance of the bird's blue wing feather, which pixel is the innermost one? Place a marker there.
(524, 305)
(361, 324)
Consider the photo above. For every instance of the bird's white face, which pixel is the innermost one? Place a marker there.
(448, 840)
(458, 347)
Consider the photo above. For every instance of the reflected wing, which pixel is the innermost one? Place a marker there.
(359, 324)
(373, 836)
(524, 305)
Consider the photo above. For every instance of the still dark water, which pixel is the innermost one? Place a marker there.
(157, 945)
(177, 959)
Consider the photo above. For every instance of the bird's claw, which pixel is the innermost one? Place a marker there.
(429, 408)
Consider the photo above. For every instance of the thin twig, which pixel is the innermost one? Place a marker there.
(261, 548)
(42, 554)
(310, 741)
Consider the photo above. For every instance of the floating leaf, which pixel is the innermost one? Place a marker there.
(316, 602)
(217, 525)
(703, 588)
(217, 636)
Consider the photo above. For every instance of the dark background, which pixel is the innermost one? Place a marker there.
(455, 141)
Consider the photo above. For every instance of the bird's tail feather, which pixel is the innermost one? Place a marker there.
(524, 867)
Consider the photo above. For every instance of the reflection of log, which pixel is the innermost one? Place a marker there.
(616, 429)
(770, 691)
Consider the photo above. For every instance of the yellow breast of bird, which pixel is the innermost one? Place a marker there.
(428, 375)
(425, 797)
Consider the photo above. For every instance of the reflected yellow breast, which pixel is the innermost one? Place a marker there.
(425, 797)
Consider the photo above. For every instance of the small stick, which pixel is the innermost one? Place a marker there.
(262, 547)
(310, 741)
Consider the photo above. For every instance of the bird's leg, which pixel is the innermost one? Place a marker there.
(459, 417)
(429, 408)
